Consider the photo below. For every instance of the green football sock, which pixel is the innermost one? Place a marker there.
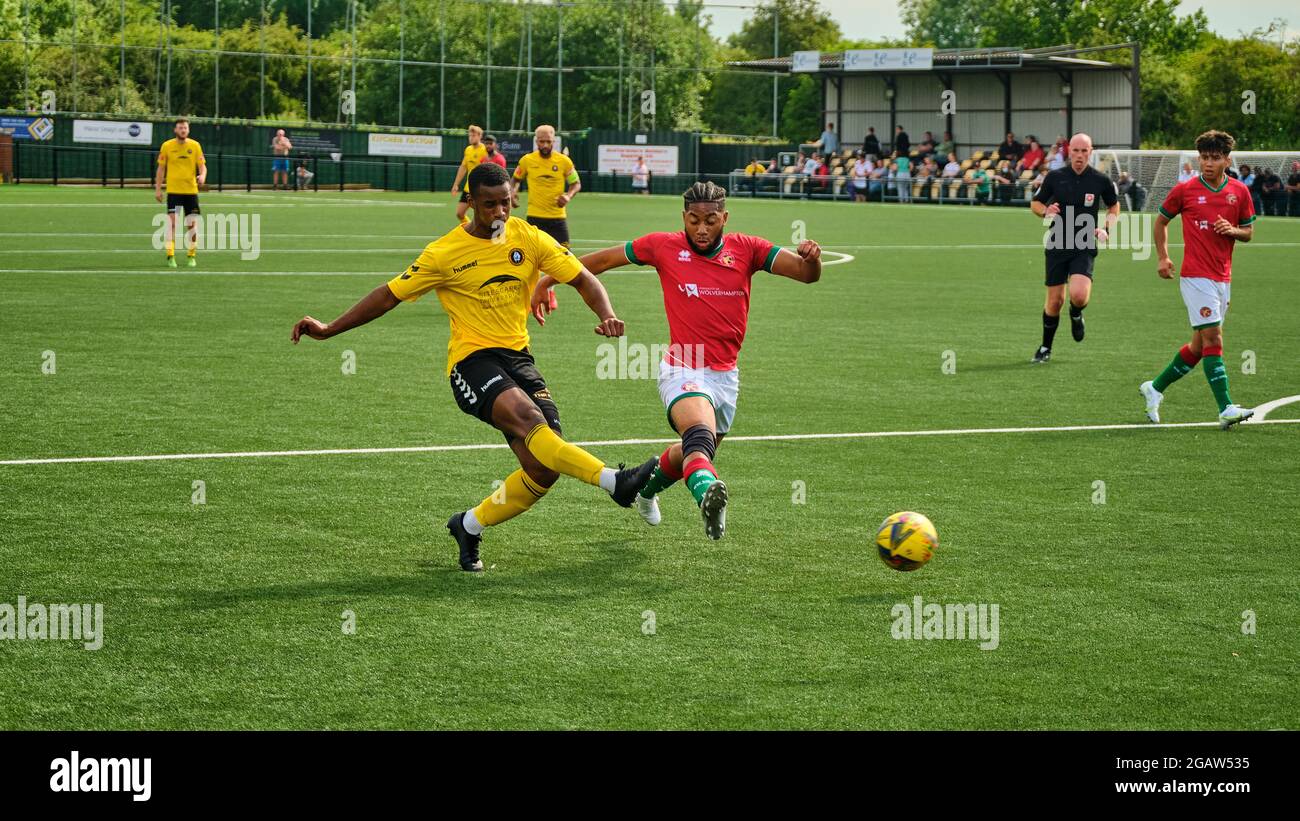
(698, 482)
(1217, 375)
(659, 482)
(1175, 370)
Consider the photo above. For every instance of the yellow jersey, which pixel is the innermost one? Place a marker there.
(548, 178)
(485, 285)
(755, 168)
(182, 160)
(474, 154)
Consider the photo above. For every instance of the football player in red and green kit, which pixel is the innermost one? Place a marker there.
(1217, 212)
(705, 275)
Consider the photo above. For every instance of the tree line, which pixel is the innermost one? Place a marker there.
(1191, 78)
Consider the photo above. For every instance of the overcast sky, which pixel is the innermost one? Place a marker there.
(876, 19)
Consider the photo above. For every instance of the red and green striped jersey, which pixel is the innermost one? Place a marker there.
(1207, 253)
(706, 296)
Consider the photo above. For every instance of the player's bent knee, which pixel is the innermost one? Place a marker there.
(542, 475)
(699, 439)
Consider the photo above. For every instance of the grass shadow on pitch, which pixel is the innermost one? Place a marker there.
(558, 582)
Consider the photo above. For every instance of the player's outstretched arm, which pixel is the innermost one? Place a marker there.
(804, 266)
(372, 306)
(597, 262)
(597, 299)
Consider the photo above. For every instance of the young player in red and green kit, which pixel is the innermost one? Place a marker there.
(705, 276)
(1217, 212)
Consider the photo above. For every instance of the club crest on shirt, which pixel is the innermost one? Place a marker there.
(1088, 200)
(516, 256)
(728, 259)
(1232, 199)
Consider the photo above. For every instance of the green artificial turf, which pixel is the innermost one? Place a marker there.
(229, 614)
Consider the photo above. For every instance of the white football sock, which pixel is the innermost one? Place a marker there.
(607, 476)
(471, 523)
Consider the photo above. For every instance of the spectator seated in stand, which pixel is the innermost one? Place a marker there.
(1032, 158)
(1010, 149)
(952, 168)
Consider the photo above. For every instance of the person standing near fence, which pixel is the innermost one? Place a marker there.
(475, 153)
(280, 148)
(641, 177)
(181, 164)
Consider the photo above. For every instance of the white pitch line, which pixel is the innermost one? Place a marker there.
(782, 437)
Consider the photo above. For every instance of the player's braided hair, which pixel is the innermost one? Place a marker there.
(704, 191)
(1215, 142)
(487, 173)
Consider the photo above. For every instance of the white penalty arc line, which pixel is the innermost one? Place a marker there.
(784, 437)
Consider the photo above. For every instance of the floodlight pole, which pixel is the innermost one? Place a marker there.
(216, 58)
(776, 52)
(309, 5)
(121, 64)
(401, 60)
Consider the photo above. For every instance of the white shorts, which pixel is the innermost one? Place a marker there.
(719, 387)
(1206, 300)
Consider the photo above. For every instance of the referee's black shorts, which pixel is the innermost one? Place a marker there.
(557, 229)
(1060, 267)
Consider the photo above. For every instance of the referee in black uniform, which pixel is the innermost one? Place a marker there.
(1071, 197)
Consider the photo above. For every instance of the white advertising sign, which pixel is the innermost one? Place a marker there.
(805, 61)
(621, 159)
(405, 145)
(108, 131)
(889, 59)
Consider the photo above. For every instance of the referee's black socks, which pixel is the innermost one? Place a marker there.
(1049, 327)
(1076, 311)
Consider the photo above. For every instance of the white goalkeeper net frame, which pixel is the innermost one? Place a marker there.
(1156, 171)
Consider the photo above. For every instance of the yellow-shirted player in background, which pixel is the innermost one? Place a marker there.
(552, 184)
(484, 273)
(181, 164)
(475, 153)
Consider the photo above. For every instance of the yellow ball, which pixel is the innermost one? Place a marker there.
(906, 540)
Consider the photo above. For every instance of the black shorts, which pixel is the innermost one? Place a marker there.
(1060, 268)
(190, 202)
(464, 196)
(558, 230)
(478, 379)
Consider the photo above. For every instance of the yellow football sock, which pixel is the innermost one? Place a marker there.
(562, 457)
(516, 495)
(171, 248)
(193, 250)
